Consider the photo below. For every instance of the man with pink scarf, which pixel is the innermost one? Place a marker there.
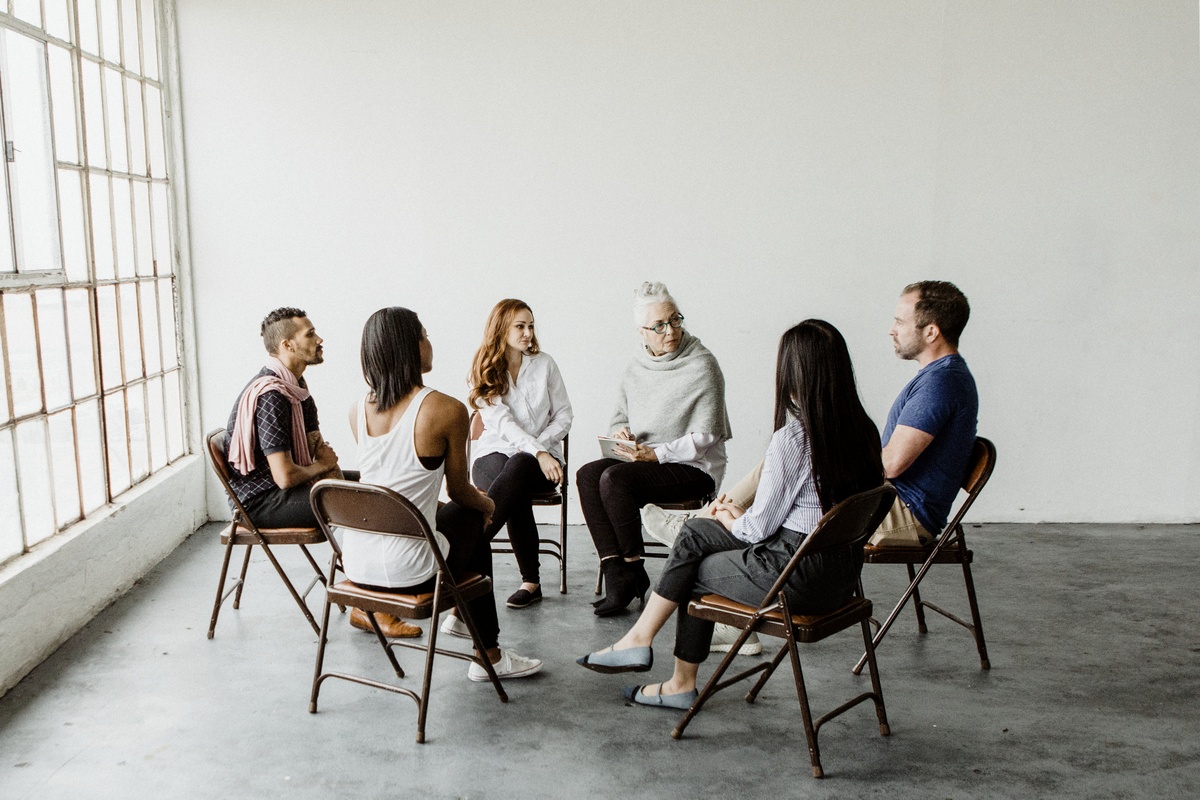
(275, 446)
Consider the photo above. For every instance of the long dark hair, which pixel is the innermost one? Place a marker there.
(391, 355)
(489, 369)
(814, 383)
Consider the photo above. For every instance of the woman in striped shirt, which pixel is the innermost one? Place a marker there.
(825, 448)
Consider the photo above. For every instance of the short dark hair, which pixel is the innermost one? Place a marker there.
(277, 326)
(943, 304)
(814, 383)
(391, 355)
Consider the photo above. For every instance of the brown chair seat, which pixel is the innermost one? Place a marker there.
(398, 604)
(809, 627)
(244, 535)
(950, 554)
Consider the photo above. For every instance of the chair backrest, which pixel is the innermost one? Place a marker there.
(983, 462)
(367, 508)
(217, 450)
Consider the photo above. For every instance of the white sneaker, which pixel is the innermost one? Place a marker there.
(663, 526)
(724, 637)
(510, 665)
(454, 626)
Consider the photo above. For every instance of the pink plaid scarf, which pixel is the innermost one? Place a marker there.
(241, 444)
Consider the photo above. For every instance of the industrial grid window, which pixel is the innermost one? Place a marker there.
(90, 378)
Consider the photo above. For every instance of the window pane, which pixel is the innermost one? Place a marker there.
(150, 329)
(131, 333)
(166, 318)
(10, 509)
(137, 127)
(114, 100)
(102, 243)
(79, 335)
(51, 322)
(157, 420)
(110, 31)
(129, 35)
(58, 21)
(5, 416)
(28, 10)
(63, 468)
(8, 261)
(122, 216)
(89, 36)
(91, 457)
(172, 391)
(117, 444)
(70, 209)
(22, 352)
(141, 224)
(155, 147)
(139, 455)
(110, 343)
(149, 41)
(163, 261)
(32, 170)
(93, 113)
(62, 86)
(33, 470)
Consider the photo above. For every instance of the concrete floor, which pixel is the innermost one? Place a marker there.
(1093, 692)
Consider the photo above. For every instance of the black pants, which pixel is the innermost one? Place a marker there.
(611, 493)
(511, 481)
(470, 552)
(285, 508)
(707, 559)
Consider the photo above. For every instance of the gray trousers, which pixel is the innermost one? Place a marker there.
(707, 559)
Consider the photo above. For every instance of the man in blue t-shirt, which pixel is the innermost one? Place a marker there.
(930, 429)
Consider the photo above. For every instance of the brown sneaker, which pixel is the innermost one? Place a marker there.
(392, 628)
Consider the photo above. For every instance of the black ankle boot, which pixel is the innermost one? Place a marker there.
(614, 579)
(626, 581)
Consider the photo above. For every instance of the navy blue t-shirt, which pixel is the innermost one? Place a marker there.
(272, 434)
(940, 400)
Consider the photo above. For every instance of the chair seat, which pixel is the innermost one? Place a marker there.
(950, 554)
(406, 606)
(243, 535)
(809, 627)
(547, 499)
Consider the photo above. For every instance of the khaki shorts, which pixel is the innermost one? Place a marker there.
(900, 529)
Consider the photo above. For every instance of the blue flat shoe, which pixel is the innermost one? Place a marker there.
(632, 659)
(681, 701)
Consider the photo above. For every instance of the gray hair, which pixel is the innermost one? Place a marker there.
(650, 293)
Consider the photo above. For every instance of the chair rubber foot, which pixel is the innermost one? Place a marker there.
(420, 737)
(677, 734)
(312, 708)
(210, 634)
(985, 664)
(885, 730)
(818, 772)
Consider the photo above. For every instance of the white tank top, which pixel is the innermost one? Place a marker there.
(390, 460)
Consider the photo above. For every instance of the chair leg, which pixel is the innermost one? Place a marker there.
(484, 661)
(212, 624)
(876, 689)
(712, 687)
(810, 732)
(291, 589)
(562, 549)
(984, 663)
(768, 671)
(383, 642)
(916, 596)
(316, 567)
(237, 597)
(599, 579)
(322, 640)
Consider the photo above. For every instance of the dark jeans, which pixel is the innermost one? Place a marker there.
(469, 552)
(707, 559)
(285, 508)
(511, 481)
(611, 493)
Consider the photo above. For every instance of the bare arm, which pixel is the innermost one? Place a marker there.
(287, 473)
(902, 449)
(449, 427)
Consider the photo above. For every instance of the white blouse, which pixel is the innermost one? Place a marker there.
(534, 415)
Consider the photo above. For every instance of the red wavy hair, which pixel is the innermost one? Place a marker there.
(489, 368)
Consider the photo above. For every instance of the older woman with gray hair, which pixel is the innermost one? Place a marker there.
(671, 410)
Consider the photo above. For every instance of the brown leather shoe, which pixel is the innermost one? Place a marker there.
(392, 628)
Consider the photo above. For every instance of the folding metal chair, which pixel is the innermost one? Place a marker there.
(547, 547)
(242, 530)
(949, 548)
(380, 511)
(848, 524)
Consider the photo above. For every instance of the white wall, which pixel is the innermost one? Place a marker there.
(769, 161)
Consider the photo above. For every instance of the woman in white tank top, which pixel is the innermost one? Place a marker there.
(409, 439)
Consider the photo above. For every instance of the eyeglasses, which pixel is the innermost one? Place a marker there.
(660, 328)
